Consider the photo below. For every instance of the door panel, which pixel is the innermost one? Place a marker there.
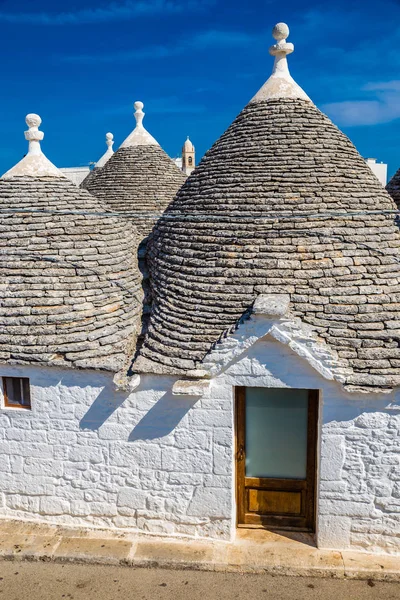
(263, 501)
(276, 431)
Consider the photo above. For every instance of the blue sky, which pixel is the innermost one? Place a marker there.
(81, 64)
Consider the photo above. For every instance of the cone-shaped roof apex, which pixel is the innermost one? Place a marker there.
(35, 163)
(281, 84)
(139, 136)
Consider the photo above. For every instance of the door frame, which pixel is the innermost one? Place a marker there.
(278, 484)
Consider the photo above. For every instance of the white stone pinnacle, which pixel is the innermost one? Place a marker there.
(108, 153)
(280, 84)
(34, 164)
(139, 136)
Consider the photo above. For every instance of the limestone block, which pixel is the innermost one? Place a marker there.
(333, 532)
(211, 502)
(79, 508)
(274, 305)
(103, 509)
(203, 419)
(190, 387)
(191, 479)
(26, 503)
(86, 454)
(49, 468)
(155, 504)
(198, 461)
(332, 457)
(372, 420)
(345, 508)
(131, 498)
(223, 460)
(54, 506)
(186, 438)
(177, 505)
(146, 455)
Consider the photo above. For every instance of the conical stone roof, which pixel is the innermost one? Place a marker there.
(281, 204)
(70, 293)
(139, 179)
(393, 187)
(88, 181)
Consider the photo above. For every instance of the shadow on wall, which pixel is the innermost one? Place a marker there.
(102, 408)
(163, 417)
(160, 420)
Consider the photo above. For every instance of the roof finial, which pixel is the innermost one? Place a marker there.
(108, 153)
(280, 84)
(139, 114)
(109, 141)
(33, 135)
(280, 50)
(139, 136)
(34, 163)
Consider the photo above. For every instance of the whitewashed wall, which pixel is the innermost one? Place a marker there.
(158, 463)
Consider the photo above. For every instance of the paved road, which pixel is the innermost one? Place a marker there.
(48, 581)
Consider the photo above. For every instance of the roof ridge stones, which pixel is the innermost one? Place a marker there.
(232, 233)
(70, 292)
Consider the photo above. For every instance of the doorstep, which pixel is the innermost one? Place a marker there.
(253, 551)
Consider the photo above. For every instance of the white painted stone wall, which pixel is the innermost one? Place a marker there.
(158, 463)
(87, 455)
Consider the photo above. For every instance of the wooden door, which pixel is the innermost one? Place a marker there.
(276, 436)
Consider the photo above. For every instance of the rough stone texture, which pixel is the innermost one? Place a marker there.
(393, 187)
(259, 216)
(159, 463)
(89, 179)
(141, 180)
(145, 461)
(70, 292)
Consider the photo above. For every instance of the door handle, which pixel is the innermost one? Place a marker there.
(240, 453)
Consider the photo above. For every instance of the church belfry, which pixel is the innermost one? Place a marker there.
(188, 157)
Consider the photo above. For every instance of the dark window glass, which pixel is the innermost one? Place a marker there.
(16, 392)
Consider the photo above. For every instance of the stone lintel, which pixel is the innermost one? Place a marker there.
(272, 305)
(190, 387)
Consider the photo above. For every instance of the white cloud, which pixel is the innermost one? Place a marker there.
(393, 85)
(351, 113)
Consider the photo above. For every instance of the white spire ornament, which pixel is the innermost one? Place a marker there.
(34, 164)
(139, 136)
(108, 153)
(281, 84)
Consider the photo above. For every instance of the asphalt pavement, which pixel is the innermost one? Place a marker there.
(54, 581)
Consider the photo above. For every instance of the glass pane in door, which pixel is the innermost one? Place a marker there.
(276, 433)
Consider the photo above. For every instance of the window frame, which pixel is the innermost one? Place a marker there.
(25, 387)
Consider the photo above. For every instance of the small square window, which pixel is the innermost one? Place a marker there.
(16, 392)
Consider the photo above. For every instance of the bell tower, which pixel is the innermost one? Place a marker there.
(188, 157)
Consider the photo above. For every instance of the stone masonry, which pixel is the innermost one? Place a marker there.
(155, 462)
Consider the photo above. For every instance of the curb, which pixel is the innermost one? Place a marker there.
(31, 542)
